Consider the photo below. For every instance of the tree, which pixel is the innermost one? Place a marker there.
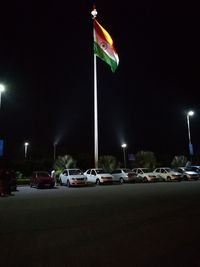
(64, 162)
(107, 162)
(146, 159)
(179, 161)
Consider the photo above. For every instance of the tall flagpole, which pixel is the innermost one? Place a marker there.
(94, 14)
(95, 115)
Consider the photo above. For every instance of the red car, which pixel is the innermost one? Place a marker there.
(41, 179)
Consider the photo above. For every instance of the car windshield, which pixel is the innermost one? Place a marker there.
(196, 168)
(43, 174)
(75, 172)
(100, 171)
(192, 169)
(181, 170)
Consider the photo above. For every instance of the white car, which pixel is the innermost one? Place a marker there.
(145, 174)
(98, 176)
(188, 174)
(167, 174)
(124, 175)
(73, 177)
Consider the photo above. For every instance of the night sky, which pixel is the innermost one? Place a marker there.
(46, 64)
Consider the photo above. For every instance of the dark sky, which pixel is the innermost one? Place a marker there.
(46, 64)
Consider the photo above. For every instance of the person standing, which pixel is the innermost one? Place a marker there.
(53, 175)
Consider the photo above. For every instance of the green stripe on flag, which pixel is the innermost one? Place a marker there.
(101, 54)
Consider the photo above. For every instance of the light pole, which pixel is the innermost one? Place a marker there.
(124, 147)
(2, 89)
(54, 151)
(190, 113)
(26, 144)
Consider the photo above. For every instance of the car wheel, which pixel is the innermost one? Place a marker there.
(97, 182)
(185, 178)
(121, 180)
(145, 180)
(169, 179)
(38, 186)
(68, 183)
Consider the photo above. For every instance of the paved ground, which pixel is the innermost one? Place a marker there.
(120, 225)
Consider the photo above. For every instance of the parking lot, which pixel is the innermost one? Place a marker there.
(154, 224)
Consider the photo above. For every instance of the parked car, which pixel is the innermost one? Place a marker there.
(188, 174)
(145, 174)
(124, 176)
(41, 179)
(167, 174)
(73, 177)
(98, 176)
(193, 168)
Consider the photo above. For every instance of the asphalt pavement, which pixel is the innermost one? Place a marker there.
(147, 225)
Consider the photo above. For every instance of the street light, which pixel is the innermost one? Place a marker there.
(190, 113)
(54, 151)
(124, 147)
(26, 144)
(2, 89)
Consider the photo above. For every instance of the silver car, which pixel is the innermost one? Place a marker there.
(188, 174)
(124, 175)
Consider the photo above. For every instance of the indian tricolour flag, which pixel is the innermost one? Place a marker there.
(103, 46)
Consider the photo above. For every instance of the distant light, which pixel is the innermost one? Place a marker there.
(124, 145)
(190, 113)
(2, 88)
(26, 143)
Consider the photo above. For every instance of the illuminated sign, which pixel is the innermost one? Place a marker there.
(1, 147)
